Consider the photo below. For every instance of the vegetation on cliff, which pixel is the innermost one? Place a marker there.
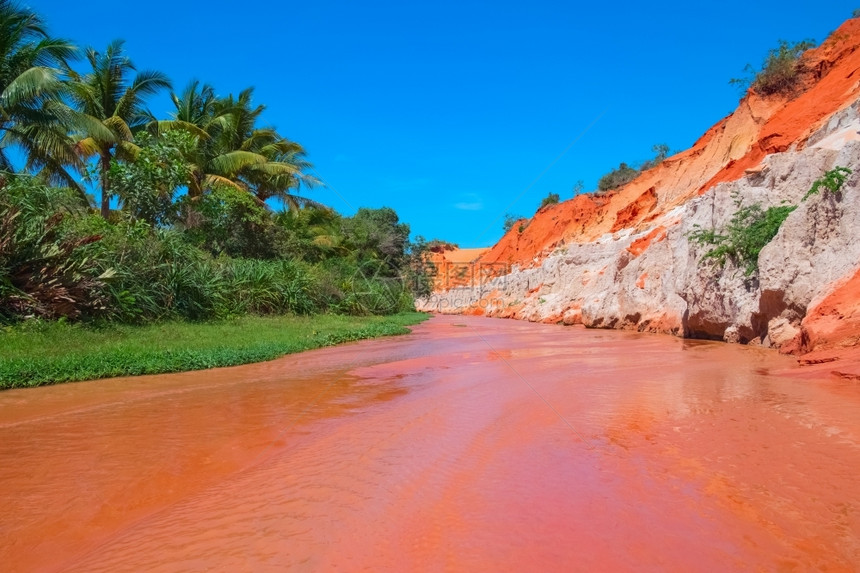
(781, 71)
(550, 199)
(625, 173)
(832, 182)
(752, 227)
(749, 230)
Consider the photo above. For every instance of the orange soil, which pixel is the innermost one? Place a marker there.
(831, 333)
(629, 215)
(641, 244)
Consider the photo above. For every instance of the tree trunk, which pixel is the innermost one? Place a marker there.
(195, 190)
(104, 165)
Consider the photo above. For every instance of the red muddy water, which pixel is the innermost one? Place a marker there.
(472, 444)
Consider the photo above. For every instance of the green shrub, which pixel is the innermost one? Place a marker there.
(374, 289)
(309, 234)
(780, 72)
(622, 175)
(832, 182)
(377, 234)
(510, 221)
(230, 222)
(661, 151)
(550, 199)
(748, 231)
(159, 275)
(42, 272)
(267, 287)
(147, 186)
(420, 271)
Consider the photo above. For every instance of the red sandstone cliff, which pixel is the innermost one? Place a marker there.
(622, 259)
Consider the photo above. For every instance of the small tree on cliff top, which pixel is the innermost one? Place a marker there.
(550, 199)
(780, 71)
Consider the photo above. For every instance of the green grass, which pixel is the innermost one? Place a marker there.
(52, 352)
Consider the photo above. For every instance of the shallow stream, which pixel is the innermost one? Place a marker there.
(472, 444)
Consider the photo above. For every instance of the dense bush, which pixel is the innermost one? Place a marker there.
(147, 187)
(58, 259)
(230, 222)
(373, 234)
(622, 175)
(42, 272)
(780, 72)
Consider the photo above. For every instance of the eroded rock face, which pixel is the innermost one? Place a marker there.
(650, 277)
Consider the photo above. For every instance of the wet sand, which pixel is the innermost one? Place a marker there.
(472, 444)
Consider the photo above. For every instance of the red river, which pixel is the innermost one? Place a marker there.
(472, 444)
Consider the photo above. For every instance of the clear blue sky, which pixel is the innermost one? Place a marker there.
(447, 111)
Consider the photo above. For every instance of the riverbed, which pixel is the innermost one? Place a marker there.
(472, 444)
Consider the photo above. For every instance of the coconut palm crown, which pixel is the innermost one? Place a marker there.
(33, 117)
(113, 96)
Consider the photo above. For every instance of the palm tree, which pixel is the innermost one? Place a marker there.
(33, 116)
(111, 96)
(232, 151)
(290, 164)
(195, 111)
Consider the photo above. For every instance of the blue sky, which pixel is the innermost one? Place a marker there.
(449, 111)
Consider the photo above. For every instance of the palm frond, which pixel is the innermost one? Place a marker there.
(211, 181)
(231, 163)
(272, 168)
(145, 83)
(127, 151)
(119, 128)
(88, 147)
(80, 123)
(297, 201)
(175, 124)
(34, 83)
(56, 52)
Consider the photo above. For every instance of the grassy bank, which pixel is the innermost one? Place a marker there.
(51, 352)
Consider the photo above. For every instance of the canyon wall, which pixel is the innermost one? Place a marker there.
(624, 259)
